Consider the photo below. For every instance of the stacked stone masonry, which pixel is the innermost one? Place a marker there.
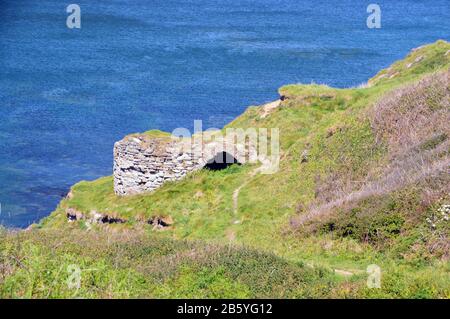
(143, 164)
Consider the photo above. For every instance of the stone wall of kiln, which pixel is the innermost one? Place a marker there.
(142, 164)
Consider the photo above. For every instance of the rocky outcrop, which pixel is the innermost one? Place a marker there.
(93, 217)
(73, 214)
(160, 222)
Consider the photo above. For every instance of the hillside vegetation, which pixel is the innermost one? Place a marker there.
(363, 179)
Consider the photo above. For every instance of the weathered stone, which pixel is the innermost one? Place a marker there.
(143, 164)
(73, 214)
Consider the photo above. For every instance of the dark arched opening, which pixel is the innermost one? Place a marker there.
(221, 161)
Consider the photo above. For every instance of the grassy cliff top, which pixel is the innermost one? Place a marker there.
(425, 59)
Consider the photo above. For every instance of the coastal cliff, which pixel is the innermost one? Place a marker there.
(362, 180)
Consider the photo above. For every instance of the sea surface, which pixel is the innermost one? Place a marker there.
(66, 95)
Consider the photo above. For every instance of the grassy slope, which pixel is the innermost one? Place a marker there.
(251, 258)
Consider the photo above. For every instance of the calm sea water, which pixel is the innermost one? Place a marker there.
(67, 95)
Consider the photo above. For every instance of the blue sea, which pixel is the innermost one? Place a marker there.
(66, 95)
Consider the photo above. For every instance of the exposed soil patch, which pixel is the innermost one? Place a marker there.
(269, 107)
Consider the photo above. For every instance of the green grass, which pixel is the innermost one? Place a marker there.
(203, 202)
(39, 264)
(423, 60)
(212, 251)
